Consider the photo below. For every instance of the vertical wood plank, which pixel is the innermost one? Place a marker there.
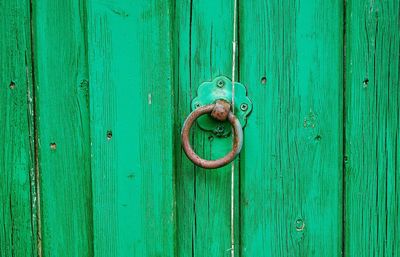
(291, 165)
(131, 123)
(203, 50)
(17, 177)
(372, 128)
(61, 81)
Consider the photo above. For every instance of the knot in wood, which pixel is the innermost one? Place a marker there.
(221, 110)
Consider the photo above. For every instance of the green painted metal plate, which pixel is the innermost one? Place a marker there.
(221, 88)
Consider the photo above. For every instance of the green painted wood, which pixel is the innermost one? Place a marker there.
(372, 128)
(17, 177)
(203, 51)
(61, 81)
(115, 181)
(131, 125)
(291, 166)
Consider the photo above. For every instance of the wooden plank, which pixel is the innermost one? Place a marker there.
(372, 128)
(203, 50)
(291, 166)
(61, 81)
(17, 180)
(132, 127)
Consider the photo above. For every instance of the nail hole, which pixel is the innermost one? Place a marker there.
(263, 80)
(365, 82)
(318, 138)
(299, 224)
(12, 85)
(109, 134)
(53, 146)
(84, 83)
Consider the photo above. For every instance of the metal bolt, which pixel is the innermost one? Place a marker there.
(244, 107)
(220, 83)
(221, 110)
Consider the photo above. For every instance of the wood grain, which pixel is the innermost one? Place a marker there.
(203, 51)
(291, 165)
(61, 81)
(105, 87)
(131, 124)
(372, 129)
(17, 175)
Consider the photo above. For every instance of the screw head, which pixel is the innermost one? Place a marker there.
(219, 130)
(220, 83)
(197, 105)
(244, 107)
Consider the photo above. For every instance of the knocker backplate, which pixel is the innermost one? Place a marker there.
(221, 88)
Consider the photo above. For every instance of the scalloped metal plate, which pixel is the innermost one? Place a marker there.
(221, 88)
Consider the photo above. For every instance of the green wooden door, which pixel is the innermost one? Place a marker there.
(94, 94)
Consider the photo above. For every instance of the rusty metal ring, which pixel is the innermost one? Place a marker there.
(211, 164)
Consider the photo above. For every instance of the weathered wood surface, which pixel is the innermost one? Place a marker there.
(203, 51)
(131, 101)
(291, 165)
(62, 105)
(372, 129)
(105, 86)
(17, 192)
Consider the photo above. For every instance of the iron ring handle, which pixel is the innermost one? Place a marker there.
(211, 164)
